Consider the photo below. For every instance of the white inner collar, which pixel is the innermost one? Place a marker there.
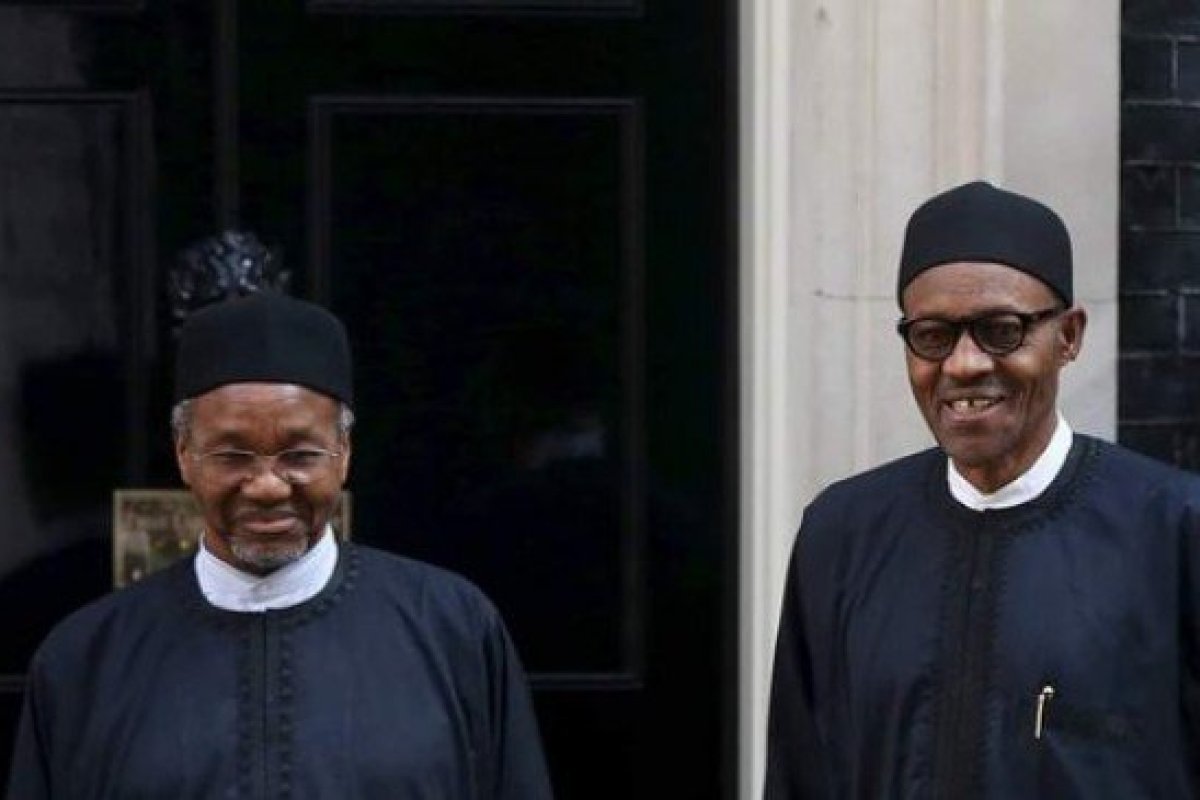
(232, 589)
(1025, 487)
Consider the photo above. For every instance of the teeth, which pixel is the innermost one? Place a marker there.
(971, 404)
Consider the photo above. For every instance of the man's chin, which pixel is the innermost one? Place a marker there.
(261, 557)
(974, 448)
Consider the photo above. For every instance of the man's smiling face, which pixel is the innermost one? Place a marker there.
(993, 415)
(262, 521)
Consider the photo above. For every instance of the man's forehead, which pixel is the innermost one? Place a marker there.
(980, 281)
(262, 415)
(266, 394)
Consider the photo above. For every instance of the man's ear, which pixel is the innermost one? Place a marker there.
(1071, 327)
(344, 467)
(183, 461)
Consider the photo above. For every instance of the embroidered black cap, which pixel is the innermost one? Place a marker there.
(265, 336)
(979, 222)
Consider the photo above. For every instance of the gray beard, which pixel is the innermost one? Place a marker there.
(264, 560)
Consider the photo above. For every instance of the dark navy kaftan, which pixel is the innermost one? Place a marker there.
(1050, 650)
(397, 680)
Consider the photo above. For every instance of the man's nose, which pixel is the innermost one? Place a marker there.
(967, 359)
(266, 482)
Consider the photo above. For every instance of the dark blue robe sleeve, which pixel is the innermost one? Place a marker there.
(519, 768)
(797, 767)
(29, 776)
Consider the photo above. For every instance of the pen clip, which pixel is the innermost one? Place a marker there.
(1039, 720)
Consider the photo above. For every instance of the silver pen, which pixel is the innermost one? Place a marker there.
(1043, 698)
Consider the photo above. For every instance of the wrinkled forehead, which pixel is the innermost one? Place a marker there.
(261, 407)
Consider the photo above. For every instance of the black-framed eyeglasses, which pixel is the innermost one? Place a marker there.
(996, 333)
(297, 466)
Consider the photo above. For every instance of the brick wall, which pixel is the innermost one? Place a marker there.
(1159, 331)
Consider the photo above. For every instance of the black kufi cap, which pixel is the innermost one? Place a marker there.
(979, 222)
(264, 336)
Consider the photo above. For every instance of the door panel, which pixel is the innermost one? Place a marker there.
(493, 366)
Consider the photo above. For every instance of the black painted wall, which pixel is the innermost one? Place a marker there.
(1159, 291)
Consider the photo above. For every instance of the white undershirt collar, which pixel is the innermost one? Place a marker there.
(231, 589)
(1023, 488)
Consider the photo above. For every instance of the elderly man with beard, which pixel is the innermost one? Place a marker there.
(279, 662)
(1013, 613)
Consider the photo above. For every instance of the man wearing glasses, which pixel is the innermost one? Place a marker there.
(1011, 614)
(279, 662)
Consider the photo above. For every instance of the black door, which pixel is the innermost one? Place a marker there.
(521, 208)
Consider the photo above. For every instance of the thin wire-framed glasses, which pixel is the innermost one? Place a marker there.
(296, 466)
(996, 333)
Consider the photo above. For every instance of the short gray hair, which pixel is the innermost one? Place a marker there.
(181, 420)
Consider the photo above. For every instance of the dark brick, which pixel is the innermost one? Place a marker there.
(1147, 68)
(1189, 197)
(1159, 261)
(1159, 395)
(1187, 448)
(1154, 133)
(1156, 441)
(1149, 322)
(1174, 444)
(1158, 388)
(1153, 16)
(1188, 71)
(1191, 323)
(1149, 196)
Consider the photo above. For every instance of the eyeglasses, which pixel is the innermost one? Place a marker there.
(997, 333)
(297, 466)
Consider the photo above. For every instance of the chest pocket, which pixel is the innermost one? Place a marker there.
(1087, 752)
(1089, 724)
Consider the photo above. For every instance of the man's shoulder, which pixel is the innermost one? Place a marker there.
(856, 514)
(413, 571)
(901, 477)
(1131, 459)
(421, 586)
(1117, 464)
(122, 610)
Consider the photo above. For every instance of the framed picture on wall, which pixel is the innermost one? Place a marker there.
(154, 527)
